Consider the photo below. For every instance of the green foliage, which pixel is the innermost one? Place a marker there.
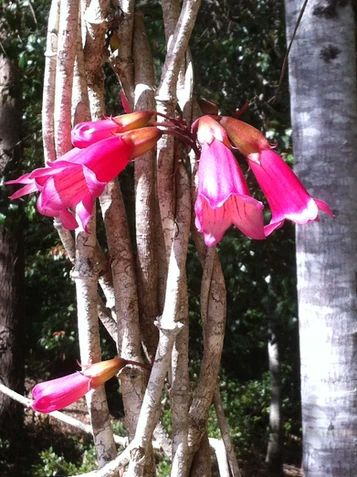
(51, 307)
(53, 465)
(247, 408)
(164, 467)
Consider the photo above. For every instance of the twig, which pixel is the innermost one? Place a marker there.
(126, 301)
(206, 284)
(165, 104)
(285, 62)
(177, 49)
(86, 274)
(107, 320)
(169, 327)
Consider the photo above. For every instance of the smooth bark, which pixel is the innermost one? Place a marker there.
(323, 108)
(274, 457)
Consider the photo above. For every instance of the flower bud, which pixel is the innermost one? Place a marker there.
(244, 136)
(142, 140)
(207, 130)
(100, 372)
(138, 119)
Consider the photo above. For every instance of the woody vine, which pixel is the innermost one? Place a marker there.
(188, 182)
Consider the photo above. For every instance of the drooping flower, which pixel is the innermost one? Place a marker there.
(61, 392)
(223, 196)
(71, 184)
(87, 133)
(286, 196)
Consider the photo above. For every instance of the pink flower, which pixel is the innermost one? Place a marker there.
(87, 133)
(223, 196)
(59, 393)
(286, 196)
(74, 181)
(71, 184)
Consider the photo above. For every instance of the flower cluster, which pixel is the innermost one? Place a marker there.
(223, 196)
(69, 186)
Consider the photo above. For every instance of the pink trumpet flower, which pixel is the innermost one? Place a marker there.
(87, 133)
(72, 183)
(286, 196)
(61, 392)
(223, 196)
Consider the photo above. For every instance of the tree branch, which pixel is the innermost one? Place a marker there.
(125, 66)
(218, 446)
(49, 83)
(95, 17)
(85, 274)
(180, 389)
(145, 200)
(223, 425)
(149, 413)
(126, 302)
(67, 41)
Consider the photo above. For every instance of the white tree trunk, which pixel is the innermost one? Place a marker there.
(323, 104)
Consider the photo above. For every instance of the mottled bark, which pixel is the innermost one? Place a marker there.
(85, 274)
(126, 302)
(323, 107)
(145, 197)
(124, 66)
(213, 313)
(94, 50)
(180, 384)
(66, 53)
(201, 466)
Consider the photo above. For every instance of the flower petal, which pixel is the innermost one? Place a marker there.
(287, 197)
(68, 220)
(24, 179)
(219, 175)
(87, 133)
(244, 212)
(106, 158)
(65, 189)
(59, 393)
(223, 196)
(27, 189)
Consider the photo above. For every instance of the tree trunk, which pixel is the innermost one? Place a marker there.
(274, 452)
(11, 260)
(323, 107)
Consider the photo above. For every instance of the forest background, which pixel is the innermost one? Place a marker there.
(238, 50)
